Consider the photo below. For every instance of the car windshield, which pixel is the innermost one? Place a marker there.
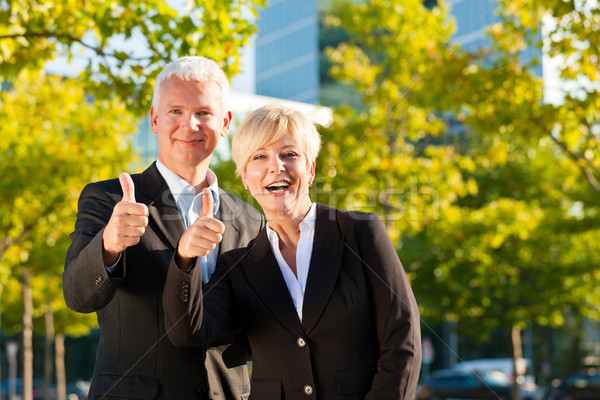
(468, 379)
(495, 378)
(584, 381)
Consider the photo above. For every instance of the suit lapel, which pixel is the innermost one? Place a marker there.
(263, 274)
(162, 207)
(226, 213)
(325, 264)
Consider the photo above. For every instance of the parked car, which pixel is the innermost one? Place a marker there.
(76, 391)
(37, 391)
(581, 386)
(504, 365)
(464, 384)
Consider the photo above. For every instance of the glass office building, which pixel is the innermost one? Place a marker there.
(472, 19)
(287, 51)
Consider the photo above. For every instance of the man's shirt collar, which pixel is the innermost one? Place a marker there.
(183, 192)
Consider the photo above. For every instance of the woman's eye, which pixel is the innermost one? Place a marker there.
(258, 157)
(290, 154)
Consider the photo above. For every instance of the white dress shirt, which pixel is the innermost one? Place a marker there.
(297, 286)
(189, 205)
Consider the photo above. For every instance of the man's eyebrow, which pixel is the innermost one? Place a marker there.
(174, 105)
(202, 107)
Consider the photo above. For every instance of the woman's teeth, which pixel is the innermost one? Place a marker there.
(278, 187)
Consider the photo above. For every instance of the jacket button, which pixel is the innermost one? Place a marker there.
(99, 280)
(203, 392)
(301, 342)
(308, 390)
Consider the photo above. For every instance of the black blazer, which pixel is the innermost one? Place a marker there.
(135, 359)
(360, 334)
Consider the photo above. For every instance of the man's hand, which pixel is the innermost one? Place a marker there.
(127, 223)
(201, 237)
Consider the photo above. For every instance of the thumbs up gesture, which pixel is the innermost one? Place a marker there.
(127, 223)
(204, 235)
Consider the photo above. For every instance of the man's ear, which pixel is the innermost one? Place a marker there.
(226, 123)
(153, 120)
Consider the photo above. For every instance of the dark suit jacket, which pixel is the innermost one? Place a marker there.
(135, 359)
(360, 333)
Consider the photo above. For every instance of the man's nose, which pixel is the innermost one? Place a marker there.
(193, 121)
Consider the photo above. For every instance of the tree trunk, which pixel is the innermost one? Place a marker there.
(61, 378)
(27, 336)
(517, 354)
(48, 345)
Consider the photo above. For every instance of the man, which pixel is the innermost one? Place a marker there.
(125, 235)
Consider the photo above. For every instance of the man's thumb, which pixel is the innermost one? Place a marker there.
(128, 187)
(207, 203)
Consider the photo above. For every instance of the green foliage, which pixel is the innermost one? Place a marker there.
(33, 32)
(502, 96)
(515, 252)
(388, 156)
(59, 134)
(537, 155)
(495, 224)
(55, 140)
(224, 168)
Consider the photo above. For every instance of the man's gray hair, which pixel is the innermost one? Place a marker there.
(193, 68)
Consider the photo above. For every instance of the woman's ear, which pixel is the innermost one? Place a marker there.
(312, 169)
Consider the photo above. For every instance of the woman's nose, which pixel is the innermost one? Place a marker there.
(276, 165)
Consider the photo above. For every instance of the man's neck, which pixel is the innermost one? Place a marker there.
(193, 175)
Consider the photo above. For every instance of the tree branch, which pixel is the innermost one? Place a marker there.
(7, 242)
(587, 172)
(69, 38)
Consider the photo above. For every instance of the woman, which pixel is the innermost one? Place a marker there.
(320, 292)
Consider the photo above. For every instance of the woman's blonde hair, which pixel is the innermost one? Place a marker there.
(268, 124)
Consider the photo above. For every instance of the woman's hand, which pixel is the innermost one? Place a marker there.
(200, 238)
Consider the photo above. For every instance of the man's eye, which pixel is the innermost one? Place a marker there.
(175, 112)
(203, 113)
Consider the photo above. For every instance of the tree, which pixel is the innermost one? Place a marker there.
(498, 91)
(500, 220)
(571, 36)
(34, 32)
(519, 252)
(124, 45)
(55, 139)
(389, 155)
(498, 96)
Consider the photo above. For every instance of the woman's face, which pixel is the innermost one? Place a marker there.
(278, 176)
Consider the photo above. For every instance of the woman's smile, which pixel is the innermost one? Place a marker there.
(278, 176)
(279, 187)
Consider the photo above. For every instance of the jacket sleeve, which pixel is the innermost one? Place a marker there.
(87, 286)
(196, 314)
(396, 313)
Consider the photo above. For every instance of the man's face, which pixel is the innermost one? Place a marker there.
(189, 121)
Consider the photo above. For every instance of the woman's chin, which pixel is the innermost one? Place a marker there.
(278, 206)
